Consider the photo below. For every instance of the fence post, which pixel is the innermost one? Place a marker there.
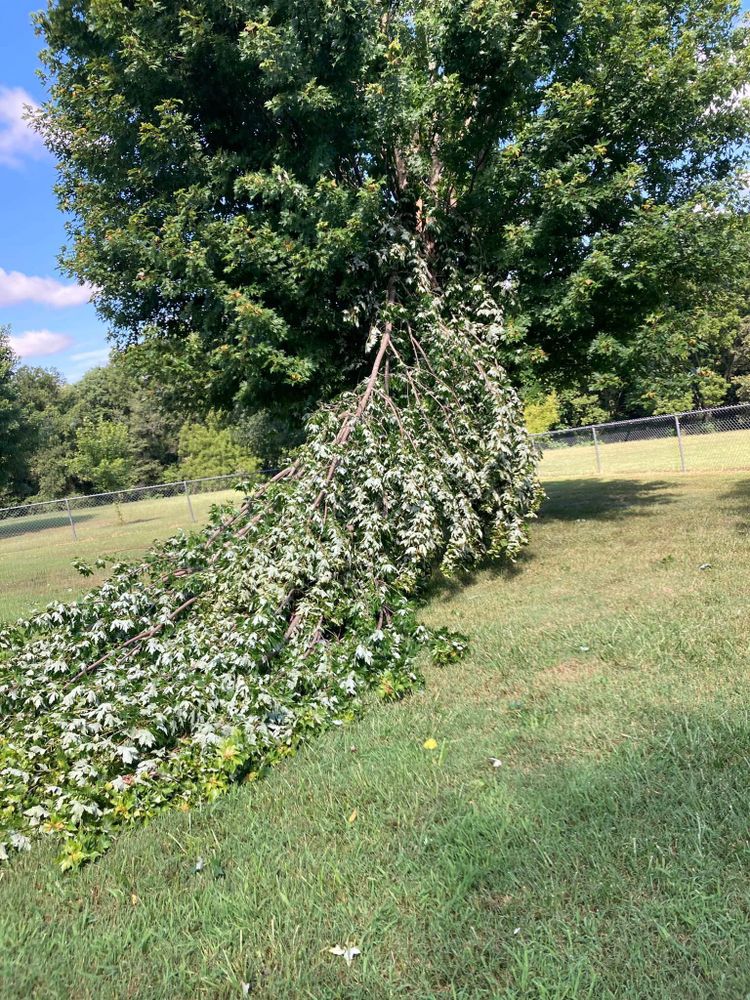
(596, 450)
(70, 518)
(190, 502)
(679, 442)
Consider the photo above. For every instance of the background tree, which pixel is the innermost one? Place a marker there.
(208, 449)
(43, 397)
(44, 416)
(13, 433)
(738, 367)
(120, 392)
(104, 456)
(541, 413)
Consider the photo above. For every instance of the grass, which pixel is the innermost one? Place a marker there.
(729, 450)
(37, 553)
(608, 857)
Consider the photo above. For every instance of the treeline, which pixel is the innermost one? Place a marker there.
(700, 362)
(113, 429)
(121, 426)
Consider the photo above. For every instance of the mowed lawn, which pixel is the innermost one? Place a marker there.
(37, 553)
(606, 856)
(727, 451)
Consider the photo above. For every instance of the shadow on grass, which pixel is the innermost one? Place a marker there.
(10, 529)
(130, 522)
(628, 877)
(567, 500)
(443, 587)
(607, 499)
(738, 496)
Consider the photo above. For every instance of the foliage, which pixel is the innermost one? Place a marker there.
(738, 361)
(103, 456)
(11, 422)
(683, 354)
(118, 392)
(270, 435)
(264, 195)
(217, 653)
(45, 445)
(208, 449)
(235, 173)
(541, 413)
(49, 414)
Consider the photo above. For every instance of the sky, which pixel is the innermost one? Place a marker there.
(52, 322)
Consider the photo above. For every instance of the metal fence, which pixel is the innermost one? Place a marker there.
(80, 517)
(713, 439)
(699, 440)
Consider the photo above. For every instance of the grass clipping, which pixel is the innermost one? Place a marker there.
(217, 653)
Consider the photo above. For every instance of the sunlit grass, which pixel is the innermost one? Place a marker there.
(37, 553)
(727, 451)
(608, 856)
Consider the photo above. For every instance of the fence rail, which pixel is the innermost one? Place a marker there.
(715, 439)
(105, 509)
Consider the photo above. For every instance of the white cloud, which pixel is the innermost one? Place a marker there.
(18, 141)
(16, 287)
(39, 343)
(76, 365)
(93, 358)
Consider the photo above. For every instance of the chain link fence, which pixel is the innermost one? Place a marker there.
(699, 440)
(40, 543)
(78, 518)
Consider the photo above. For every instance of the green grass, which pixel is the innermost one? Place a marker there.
(36, 560)
(608, 857)
(729, 450)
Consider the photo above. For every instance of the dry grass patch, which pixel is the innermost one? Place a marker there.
(568, 672)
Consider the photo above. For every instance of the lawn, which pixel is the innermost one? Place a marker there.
(607, 856)
(37, 553)
(729, 450)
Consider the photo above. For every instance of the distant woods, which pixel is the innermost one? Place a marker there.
(113, 429)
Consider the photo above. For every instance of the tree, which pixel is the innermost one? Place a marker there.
(541, 413)
(13, 432)
(104, 456)
(680, 355)
(120, 392)
(208, 449)
(738, 362)
(42, 396)
(239, 174)
(297, 198)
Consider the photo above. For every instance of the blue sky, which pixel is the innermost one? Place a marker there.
(52, 322)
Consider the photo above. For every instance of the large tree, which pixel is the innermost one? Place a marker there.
(276, 198)
(240, 174)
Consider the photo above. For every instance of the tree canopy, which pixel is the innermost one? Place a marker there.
(239, 174)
